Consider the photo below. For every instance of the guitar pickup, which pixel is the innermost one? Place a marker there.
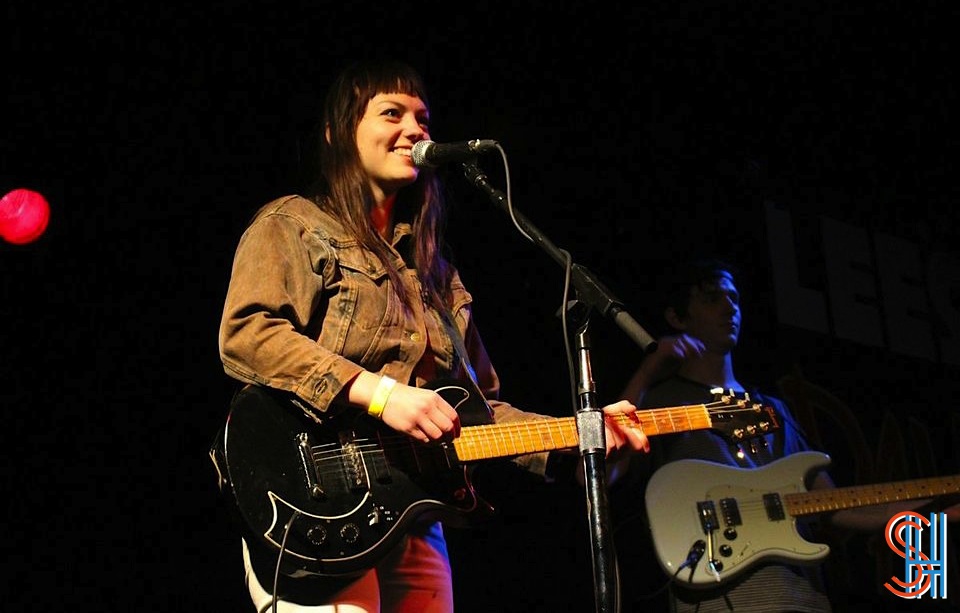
(730, 511)
(774, 507)
(708, 516)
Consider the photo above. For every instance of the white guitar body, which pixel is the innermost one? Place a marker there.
(676, 497)
(719, 520)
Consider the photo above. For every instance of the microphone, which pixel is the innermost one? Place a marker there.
(428, 154)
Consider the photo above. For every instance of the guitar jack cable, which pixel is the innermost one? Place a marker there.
(283, 548)
(693, 558)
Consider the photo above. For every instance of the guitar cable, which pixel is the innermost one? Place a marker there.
(695, 553)
(283, 547)
(693, 558)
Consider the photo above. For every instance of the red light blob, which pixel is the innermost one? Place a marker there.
(24, 215)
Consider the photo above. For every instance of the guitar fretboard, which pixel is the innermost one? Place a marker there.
(519, 438)
(836, 499)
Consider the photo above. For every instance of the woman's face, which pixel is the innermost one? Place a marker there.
(386, 133)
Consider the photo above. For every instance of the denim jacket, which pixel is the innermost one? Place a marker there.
(308, 308)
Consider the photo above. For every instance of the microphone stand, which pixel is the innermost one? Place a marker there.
(589, 417)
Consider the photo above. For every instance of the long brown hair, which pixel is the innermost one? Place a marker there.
(342, 188)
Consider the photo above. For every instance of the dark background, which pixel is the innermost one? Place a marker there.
(635, 135)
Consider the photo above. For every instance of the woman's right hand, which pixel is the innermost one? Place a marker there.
(421, 413)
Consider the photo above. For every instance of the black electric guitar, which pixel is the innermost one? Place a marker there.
(733, 518)
(333, 497)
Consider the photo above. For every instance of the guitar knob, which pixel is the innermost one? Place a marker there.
(350, 533)
(317, 535)
(726, 551)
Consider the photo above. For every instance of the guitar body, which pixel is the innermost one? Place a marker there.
(333, 498)
(680, 493)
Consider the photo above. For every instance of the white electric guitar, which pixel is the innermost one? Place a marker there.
(709, 522)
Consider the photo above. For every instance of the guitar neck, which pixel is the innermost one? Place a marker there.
(533, 436)
(836, 499)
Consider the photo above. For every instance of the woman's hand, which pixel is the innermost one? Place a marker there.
(415, 411)
(421, 413)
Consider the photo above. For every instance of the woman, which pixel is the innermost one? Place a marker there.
(345, 300)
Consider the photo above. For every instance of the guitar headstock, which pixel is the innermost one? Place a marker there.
(739, 418)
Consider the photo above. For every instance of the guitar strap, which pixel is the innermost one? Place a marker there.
(459, 347)
(404, 246)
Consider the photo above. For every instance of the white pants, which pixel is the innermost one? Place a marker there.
(414, 577)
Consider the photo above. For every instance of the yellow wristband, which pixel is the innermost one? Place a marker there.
(380, 396)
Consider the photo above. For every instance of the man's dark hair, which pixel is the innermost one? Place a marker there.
(702, 273)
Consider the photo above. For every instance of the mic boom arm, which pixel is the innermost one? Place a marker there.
(589, 288)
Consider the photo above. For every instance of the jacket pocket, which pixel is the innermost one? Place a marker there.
(366, 297)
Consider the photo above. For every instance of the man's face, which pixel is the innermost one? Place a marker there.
(713, 314)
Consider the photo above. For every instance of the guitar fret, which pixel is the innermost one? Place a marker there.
(517, 438)
(679, 419)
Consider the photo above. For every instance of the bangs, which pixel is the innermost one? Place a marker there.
(388, 78)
